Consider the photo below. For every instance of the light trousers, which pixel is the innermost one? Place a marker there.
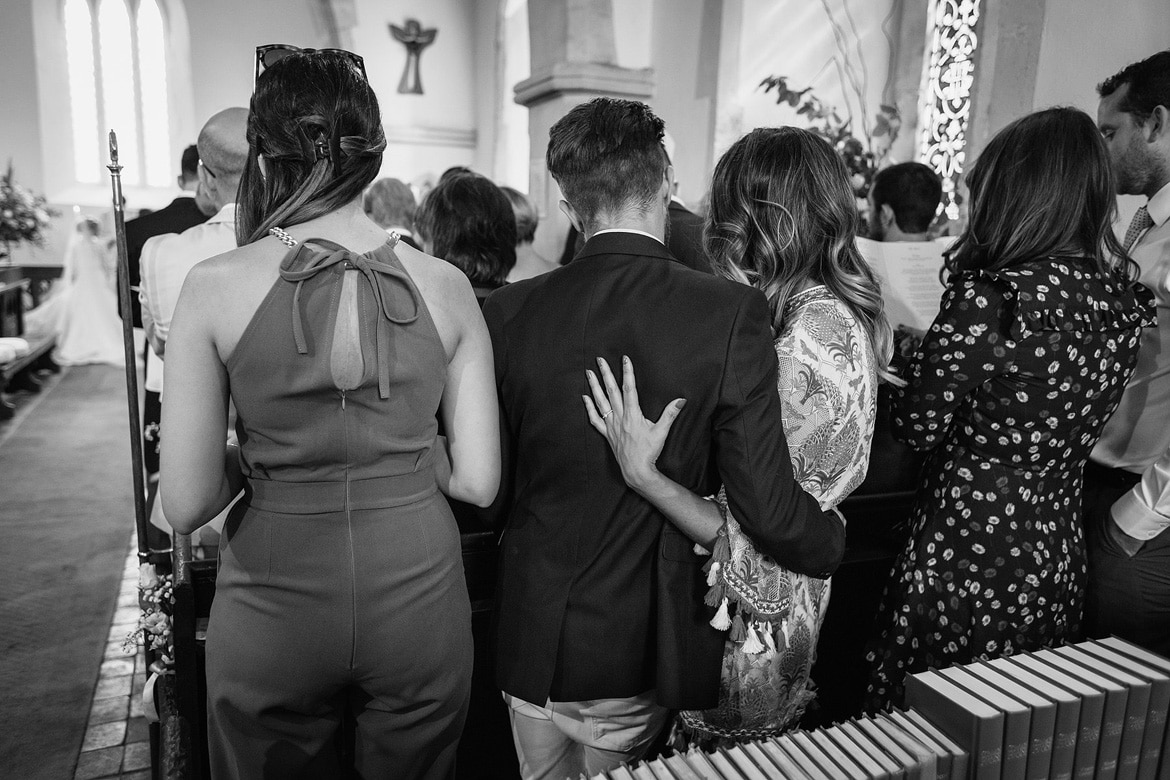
(569, 739)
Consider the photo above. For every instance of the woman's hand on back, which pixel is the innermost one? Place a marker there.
(616, 414)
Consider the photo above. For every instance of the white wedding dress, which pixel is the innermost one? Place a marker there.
(88, 327)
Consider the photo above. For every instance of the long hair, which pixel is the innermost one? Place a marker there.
(468, 222)
(316, 122)
(1043, 187)
(783, 213)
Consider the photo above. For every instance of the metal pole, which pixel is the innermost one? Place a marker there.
(140, 520)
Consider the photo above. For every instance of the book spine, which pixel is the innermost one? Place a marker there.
(1064, 741)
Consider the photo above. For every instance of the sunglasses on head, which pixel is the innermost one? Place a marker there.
(272, 53)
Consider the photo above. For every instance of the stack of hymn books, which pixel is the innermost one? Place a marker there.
(1092, 710)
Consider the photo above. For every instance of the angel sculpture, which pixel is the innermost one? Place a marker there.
(415, 39)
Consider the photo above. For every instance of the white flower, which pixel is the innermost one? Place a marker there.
(147, 576)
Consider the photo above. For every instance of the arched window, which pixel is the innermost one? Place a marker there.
(117, 69)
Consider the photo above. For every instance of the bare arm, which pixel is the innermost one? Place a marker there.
(636, 443)
(468, 462)
(195, 485)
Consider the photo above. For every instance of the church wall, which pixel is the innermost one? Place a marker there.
(430, 132)
(685, 47)
(20, 119)
(796, 40)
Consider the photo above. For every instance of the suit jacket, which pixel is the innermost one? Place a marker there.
(686, 237)
(599, 596)
(177, 216)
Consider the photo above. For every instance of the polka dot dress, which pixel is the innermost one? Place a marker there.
(1009, 393)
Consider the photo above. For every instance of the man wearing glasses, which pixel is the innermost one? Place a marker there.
(166, 260)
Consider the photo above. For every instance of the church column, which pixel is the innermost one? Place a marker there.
(574, 59)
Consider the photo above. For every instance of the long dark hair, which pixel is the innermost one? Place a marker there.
(316, 121)
(1043, 187)
(783, 213)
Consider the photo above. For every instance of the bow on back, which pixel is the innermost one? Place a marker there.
(376, 273)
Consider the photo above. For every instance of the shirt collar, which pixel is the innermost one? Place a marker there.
(226, 214)
(1159, 205)
(630, 230)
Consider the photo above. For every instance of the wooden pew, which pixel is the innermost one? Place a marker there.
(20, 372)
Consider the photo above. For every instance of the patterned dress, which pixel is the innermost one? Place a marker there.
(1008, 392)
(828, 391)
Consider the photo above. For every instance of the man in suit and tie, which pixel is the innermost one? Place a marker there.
(1127, 478)
(601, 625)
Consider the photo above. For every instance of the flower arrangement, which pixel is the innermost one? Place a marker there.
(24, 215)
(862, 156)
(154, 624)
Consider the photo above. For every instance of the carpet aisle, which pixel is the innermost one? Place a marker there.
(66, 512)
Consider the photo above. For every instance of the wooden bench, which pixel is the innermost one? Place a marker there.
(20, 372)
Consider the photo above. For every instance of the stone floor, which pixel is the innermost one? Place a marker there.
(117, 740)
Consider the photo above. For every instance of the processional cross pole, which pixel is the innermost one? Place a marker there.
(144, 551)
(415, 39)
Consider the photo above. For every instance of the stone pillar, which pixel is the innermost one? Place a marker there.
(1005, 68)
(573, 60)
(905, 75)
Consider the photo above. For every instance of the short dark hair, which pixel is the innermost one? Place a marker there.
(468, 222)
(526, 217)
(189, 162)
(607, 156)
(390, 203)
(912, 190)
(1149, 85)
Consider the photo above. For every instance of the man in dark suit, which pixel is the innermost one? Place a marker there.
(601, 625)
(180, 214)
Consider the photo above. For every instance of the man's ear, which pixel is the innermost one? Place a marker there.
(1158, 125)
(887, 215)
(570, 212)
(669, 182)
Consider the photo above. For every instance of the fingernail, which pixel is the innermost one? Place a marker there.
(682, 402)
(625, 359)
(599, 361)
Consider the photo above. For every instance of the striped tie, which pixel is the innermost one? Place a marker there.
(1140, 223)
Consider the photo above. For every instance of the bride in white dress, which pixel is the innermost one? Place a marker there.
(88, 327)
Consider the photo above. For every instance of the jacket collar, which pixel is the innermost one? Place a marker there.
(624, 243)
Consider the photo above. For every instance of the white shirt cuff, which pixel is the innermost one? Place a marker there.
(1136, 519)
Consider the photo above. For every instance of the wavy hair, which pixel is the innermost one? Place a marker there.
(1042, 187)
(783, 213)
(316, 121)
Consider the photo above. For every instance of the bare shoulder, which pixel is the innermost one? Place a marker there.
(443, 286)
(446, 292)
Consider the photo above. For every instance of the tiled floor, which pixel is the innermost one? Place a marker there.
(117, 741)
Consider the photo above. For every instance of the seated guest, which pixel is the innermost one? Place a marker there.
(1036, 337)
(467, 220)
(529, 262)
(903, 201)
(390, 203)
(782, 219)
(1127, 479)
